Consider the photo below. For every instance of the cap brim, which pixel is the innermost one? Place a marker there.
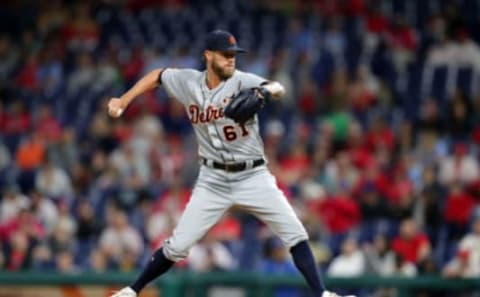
(236, 49)
(228, 49)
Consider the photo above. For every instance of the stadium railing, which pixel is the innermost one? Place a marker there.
(177, 284)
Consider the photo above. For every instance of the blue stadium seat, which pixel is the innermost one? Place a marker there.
(465, 79)
(439, 84)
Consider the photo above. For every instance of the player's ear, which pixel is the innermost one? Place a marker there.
(207, 55)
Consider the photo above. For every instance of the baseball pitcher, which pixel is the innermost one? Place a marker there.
(222, 105)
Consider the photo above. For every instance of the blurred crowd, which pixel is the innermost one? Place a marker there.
(375, 144)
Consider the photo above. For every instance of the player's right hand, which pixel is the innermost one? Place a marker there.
(115, 107)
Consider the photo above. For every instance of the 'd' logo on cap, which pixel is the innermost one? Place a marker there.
(232, 40)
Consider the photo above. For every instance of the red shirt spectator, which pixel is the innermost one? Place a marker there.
(327, 7)
(174, 201)
(295, 162)
(411, 245)
(373, 177)
(25, 223)
(17, 120)
(81, 31)
(307, 99)
(18, 257)
(409, 248)
(132, 68)
(400, 187)
(361, 157)
(48, 126)
(3, 118)
(380, 136)
(476, 134)
(227, 229)
(362, 99)
(149, 105)
(27, 77)
(294, 165)
(355, 7)
(459, 206)
(400, 35)
(340, 213)
(376, 22)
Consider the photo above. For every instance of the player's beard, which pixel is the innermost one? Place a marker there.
(222, 73)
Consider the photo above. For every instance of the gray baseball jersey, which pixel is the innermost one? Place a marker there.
(222, 140)
(219, 138)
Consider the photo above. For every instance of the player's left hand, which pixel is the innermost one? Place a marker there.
(246, 104)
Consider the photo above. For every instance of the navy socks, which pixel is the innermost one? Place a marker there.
(157, 266)
(303, 259)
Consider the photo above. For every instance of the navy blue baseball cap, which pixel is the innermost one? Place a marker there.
(220, 40)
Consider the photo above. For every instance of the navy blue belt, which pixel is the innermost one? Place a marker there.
(232, 167)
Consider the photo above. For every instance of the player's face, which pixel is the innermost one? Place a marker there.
(223, 64)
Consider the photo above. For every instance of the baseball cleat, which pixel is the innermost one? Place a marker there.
(125, 292)
(331, 294)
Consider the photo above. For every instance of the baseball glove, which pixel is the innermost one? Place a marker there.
(244, 105)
